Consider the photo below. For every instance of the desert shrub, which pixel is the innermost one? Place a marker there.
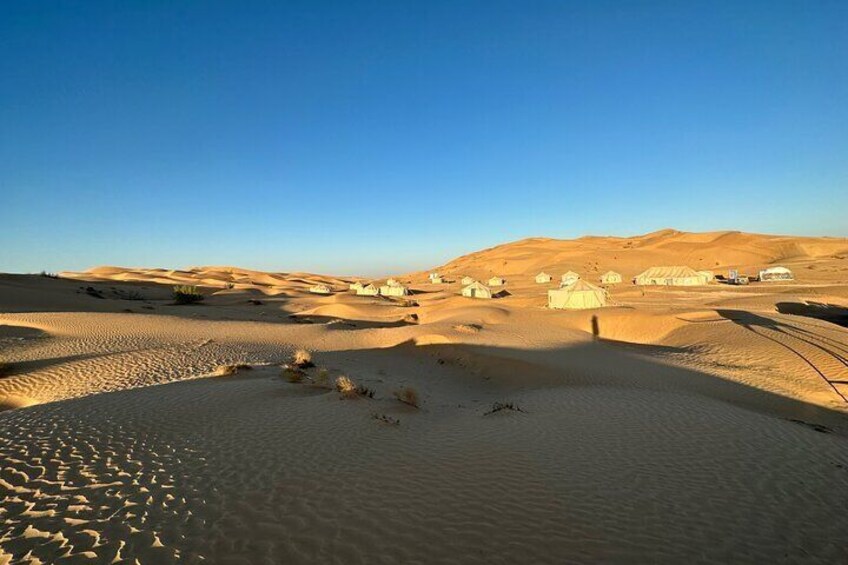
(386, 419)
(231, 369)
(499, 406)
(362, 390)
(303, 359)
(345, 386)
(322, 378)
(407, 395)
(93, 292)
(187, 294)
(129, 295)
(293, 374)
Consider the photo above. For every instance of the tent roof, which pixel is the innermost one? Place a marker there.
(477, 284)
(777, 270)
(580, 285)
(668, 272)
(608, 273)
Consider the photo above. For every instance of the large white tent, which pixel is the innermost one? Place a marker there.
(776, 274)
(579, 295)
(670, 276)
(476, 290)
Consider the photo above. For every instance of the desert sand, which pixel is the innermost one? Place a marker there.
(705, 424)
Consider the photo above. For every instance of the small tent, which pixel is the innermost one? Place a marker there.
(368, 290)
(669, 276)
(708, 276)
(436, 278)
(610, 277)
(393, 290)
(569, 278)
(776, 274)
(543, 278)
(579, 295)
(497, 281)
(476, 290)
(392, 282)
(467, 280)
(356, 286)
(320, 289)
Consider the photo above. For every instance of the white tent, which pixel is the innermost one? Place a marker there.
(708, 276)
(569, 278)
(476, 290)
(670, 276)
(497, 281)
(543, 278)
(776, 274)
(436, 278)
(393, 290)
(610, 277)
(467, 280)
(392, 282)
(368, 290)
(320, 289)
(579, 295)
(356, 286)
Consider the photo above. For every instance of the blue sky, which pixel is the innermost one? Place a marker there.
(376, 137)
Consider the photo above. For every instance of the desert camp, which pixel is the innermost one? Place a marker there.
(368, 290)
(543, 278)
(610, 277)
(569, 278)
(396, 289)
(320, 289)
(476, 290)
(669, 276)
(776, 274)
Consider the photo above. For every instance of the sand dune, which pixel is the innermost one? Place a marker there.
(706, 423)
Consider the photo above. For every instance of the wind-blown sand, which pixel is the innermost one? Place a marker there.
(703, 424)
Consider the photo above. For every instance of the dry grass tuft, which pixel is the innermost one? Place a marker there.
(293, 374)
(322, 379)
(226, 370)
(345, 386)
(408, 395)
(302, 359)
(187, 294)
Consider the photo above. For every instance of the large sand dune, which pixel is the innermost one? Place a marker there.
(679, 424)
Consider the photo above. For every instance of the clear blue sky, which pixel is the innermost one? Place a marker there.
(372, 137)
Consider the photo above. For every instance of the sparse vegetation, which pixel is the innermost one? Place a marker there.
(322, 378)
(93, 292)
(129, 295)
(302, 359)
(385, 419)
(49, 275)
(187, 294)
(232, 369)
(348, 389)
(500, 406)
(293, 374)
(408, 395)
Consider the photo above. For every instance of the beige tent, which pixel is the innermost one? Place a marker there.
(543, 278)
(356, 286)
(569, 278)
(392, 282)
(497, 281)
(776, 274)
(577, 296)
(708, 276)
(669, 276)
(436, 278)
(610, 277)
(476, 290)
(393, 290)
(320, 289)
(467, 280)
(368, 290)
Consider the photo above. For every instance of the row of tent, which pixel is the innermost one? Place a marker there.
(610, 277)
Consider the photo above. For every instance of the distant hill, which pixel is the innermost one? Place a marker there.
(716, 251)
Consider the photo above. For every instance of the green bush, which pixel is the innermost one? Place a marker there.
(187, 294)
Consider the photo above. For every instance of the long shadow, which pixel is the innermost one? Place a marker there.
(335, 322)
(502, 371)
(761, 326)
(819, 310)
